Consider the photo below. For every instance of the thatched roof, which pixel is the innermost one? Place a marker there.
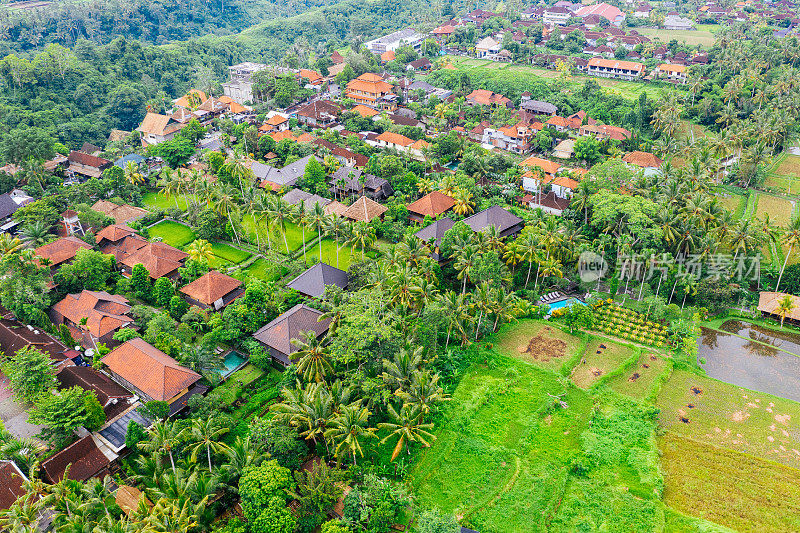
(768, 302)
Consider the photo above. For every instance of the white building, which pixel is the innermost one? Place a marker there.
(676, 22)
(393, 41)
(240, 86)
(556, 15)
(487, 48)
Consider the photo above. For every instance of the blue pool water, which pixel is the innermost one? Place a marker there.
(564, 303)
(232, 362)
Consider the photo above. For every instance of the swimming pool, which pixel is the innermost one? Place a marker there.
(569, 302)
(233, 360)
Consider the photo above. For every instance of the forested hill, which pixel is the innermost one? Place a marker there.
(154, 21)
(361, 19)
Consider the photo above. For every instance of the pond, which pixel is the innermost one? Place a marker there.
(754, 362)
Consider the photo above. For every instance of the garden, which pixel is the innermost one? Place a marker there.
(172, 233)
(613, 319)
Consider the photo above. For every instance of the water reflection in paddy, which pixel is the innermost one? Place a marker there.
(748, 363)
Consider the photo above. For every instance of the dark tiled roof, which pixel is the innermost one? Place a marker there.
(15, 335)
(109, 393)
(295, 196)
(85, 457)
(116, 431)
(279, 333)
(435, 231)
(312, 282)
(494, 216)
(537, 106)
(7, 205)
(287, 175)
(10, 484)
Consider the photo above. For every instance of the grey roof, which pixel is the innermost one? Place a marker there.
(436, 230)
(312, 282)
(399, 35)
(350, 176)
(494, 216)
(295, 196)
(287, 175)
(279, 333)
(537, 106)
(421, 84)
(135, 158)
(116, 431)
(7, 205)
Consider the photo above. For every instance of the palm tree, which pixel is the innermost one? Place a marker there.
(424, 391)
(348, 428)
(317, 219)
(482, 300)
(207, 433)
(313, 358)
(299, 217)
(464, 203)
(243, 453)
(530, 246)
(236, 166)
(133, 174)
(363, 235)
(465, 261)
(336, 227)
(163, 437)
(457, 314)
(226, 206)
(200, 250)
(791, 238)
(785, 306)
(281, 212)
(399, 371)
(9, 244)
(262, 212)
(169, 185)
(35, 234)
(407, 427)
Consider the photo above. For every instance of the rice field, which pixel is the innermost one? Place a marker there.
(155, 200)
(638, 382)
(690, 37)
(539, 343)
(780, 210)
(264, 270)
(600, 357)
(294, 234)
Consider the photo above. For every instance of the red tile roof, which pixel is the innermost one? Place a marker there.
(150, 370)
(642, 159)
(160, 259)
(61, 250)
(434, 204)
(84, 458)
(211, 287)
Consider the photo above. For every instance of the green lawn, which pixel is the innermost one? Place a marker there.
(346, 254)
(226, 255)
(294, 234)
(237, 381)
(690, 37)
(172, 233)
(155, 200)
(264, 270)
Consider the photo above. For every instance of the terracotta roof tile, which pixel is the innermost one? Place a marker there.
(11, 478)
(395, 138)
(433, 204)
(103, 312)
(61, 250)
(150, 370)
(211, 287)
(160, 259)
(120, 213)
(642, 159)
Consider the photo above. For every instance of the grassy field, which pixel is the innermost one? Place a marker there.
(226, 255)
(154, 200)
(238, 381)
(690, 37)
(172, 233)
(785, 173)
(346, 254)
(538, 343)
(264, 270)
(730, 488)
(294, 234)
(732, 202)
(498, 462)
(627, 89)
(713, 412)
(639, 380)
(779, 209)
(600, 357)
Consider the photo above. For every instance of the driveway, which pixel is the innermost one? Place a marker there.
(14, 417)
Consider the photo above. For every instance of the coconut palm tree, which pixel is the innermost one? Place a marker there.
(483, 302)
(226, 206)
(9, 244)
(424, 392)
(790, 238)
(317, 219)
(133, 173)
(200, 250)
(207, 433)
(785, 306)
(463, 202)
(399, 371)
(407, 426)
(163, 437)
(466, 259)
(35, 234)
(313, 358)
(457, 314)
(262, 213)
(169, 185)
(336, 226)
(281, 212)
(348, 429)
(363, 235)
